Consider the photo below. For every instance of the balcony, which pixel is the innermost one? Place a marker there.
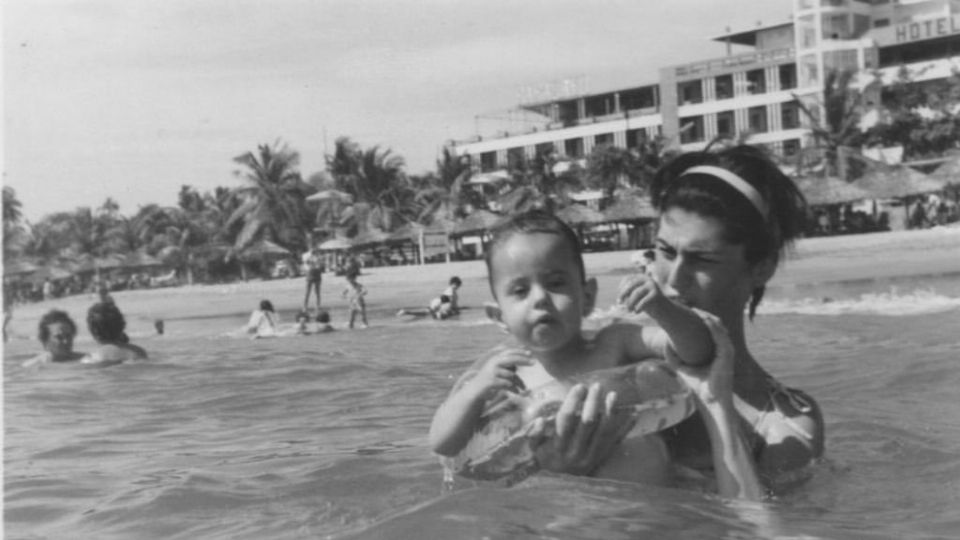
(735, 61)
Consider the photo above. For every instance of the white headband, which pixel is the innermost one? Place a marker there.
(735, 182)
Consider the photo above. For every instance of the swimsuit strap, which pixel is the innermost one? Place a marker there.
(756, 417)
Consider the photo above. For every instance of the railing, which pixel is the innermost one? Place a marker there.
(738, 60)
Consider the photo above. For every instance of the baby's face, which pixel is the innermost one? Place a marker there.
(539, 289)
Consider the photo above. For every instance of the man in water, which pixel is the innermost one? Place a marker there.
(313, 265)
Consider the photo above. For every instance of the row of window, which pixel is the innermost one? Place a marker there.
(573, 148)
(756, 83)
(692, 127)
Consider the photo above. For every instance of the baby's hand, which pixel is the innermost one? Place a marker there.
(500, 373)
(641, 292)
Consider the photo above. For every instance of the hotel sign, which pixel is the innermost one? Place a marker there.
(917, 31)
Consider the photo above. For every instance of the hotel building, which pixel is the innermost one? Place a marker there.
(755, 92)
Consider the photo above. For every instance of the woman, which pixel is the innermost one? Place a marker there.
(263, 321)
(107, 326)
(725, 219)
(56, 332)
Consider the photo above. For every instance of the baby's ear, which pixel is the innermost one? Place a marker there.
(495, 314)
(589, 296)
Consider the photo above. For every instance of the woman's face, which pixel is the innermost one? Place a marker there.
(698, 267)
(60, 342)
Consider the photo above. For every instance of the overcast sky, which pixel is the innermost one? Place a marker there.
(131, 99)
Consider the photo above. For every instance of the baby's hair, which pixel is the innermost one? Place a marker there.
(530, 222)
(323, 317)
(266, 305)
(106, 323)
(54, 316)
(763, 238)
(455, 280)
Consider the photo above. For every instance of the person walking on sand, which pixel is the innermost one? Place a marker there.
(354, 294)
(313, 266)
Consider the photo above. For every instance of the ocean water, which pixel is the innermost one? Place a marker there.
(325, 436)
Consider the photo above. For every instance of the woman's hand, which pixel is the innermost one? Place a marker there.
(712, 383)
(586, 432)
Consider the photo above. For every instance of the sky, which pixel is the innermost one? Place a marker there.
(130, 99)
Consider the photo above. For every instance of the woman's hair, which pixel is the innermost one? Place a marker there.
(266, 305)
(323, 317)
(54, 316)
(531, 222)
(455, 280)
(106, 323)
(763, 237)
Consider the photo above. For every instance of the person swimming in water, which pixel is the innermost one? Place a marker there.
(263, 321)
(107, 326)
(56, 332)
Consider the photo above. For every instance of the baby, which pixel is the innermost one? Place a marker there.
(536, 274)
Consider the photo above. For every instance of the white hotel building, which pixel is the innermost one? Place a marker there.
(755, 91)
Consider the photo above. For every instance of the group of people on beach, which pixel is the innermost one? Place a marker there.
(725, 219)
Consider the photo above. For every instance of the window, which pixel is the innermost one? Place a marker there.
(725, 124)
(791, 147)
(638, 98)
(603, 138)
(488, 161)
(690, 92)
(691, 129)
(724, 86)
(599, 105)
(789, 115)
(573, 147)
(757, 119)
(788, 76)
(545, 149)
(516, 158)
(756, 82)
(568, 112)
(880, 23)
(636, 137)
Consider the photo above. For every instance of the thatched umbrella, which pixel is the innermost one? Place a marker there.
(577, 215)
(369, 238)
(630, 207)
(264, 249)
(830, 190)
(335, 244)
(476, 223)
(948, 172)
(139, 259)
(19, 268)
(897, 182)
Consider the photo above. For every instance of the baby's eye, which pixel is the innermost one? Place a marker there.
(518, 291)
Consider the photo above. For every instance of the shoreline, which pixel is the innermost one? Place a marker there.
(814, 261)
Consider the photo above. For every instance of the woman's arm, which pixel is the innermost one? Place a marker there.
(736, 472)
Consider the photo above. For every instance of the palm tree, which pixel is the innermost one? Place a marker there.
(13, 231)
(272, 198)
(837, 132)
(376, 180)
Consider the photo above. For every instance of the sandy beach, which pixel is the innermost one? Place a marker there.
(816, 260)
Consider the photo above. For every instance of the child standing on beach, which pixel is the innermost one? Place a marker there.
(537, 277)
(354, 294)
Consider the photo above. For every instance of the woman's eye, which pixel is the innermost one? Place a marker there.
(666, 253)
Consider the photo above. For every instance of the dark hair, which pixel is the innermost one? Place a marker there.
(266, 305)
(763, 238)
(54, 316)
(529, 222)
(323, 317)
(106, 323)
(455, 281)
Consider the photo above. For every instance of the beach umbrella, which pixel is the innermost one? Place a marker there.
(494, 177)
(108, 262)
(139, 259)
(897, 182)
(53, 273)
(580, 214)
(19, 268)
(476, 223)
(331, 195)
(630, 207)
(830, 190)
(369, 238)
(948, 172)
(264, 249)
(335, 244)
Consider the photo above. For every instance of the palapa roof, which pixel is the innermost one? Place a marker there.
(476, 223)
(580, 214)
(630, 207)
(896, 182)
(830, 190)
(948, 172)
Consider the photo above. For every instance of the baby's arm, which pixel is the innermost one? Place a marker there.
(456, 418)
(686, 333)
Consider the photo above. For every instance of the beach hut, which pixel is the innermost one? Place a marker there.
(19, 268)
(264, 249)
(948, 172)
(476, 223)
(633, 210)
(139, 260)
(580, 215)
